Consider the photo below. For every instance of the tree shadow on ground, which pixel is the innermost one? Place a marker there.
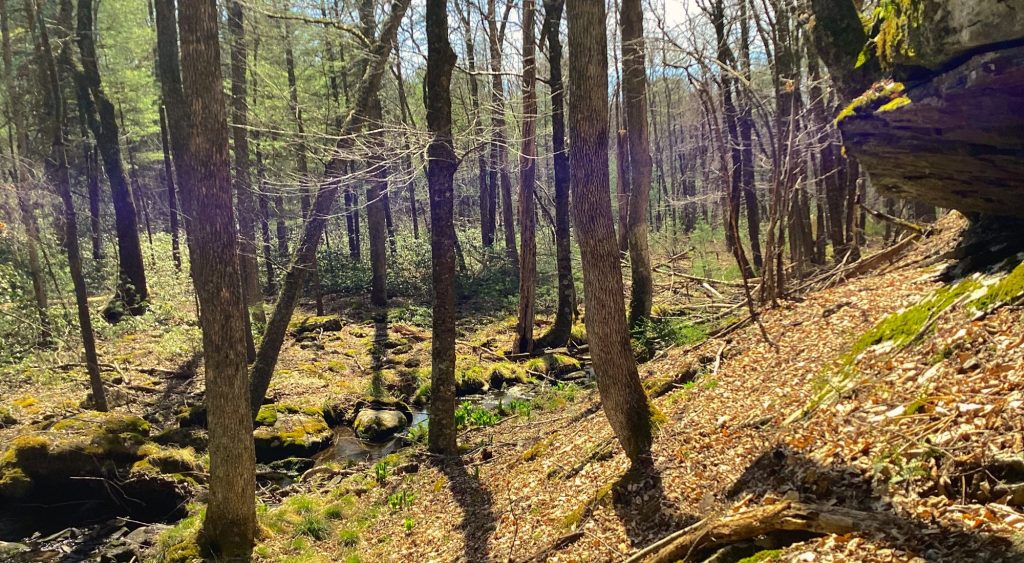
(478, 519)
(378, 353)
(783, 473)
(642, 506)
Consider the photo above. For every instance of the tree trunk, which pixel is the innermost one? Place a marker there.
(230, 522)
(527, 187)
(562, 327)
(496, 38)
(132, 290)
(623, 397)
(377, 186)
(634, 89)
(745, 123)
(28, 218)
(301, 157)
(326, 196)
(486, 221)
(57, 169)
(441, 165)
(247, 264)
(410, 186)
(172, 196)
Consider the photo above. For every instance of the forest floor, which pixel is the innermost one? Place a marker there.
(894, 394)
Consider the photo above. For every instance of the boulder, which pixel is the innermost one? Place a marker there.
(292, 435)
(379, 425)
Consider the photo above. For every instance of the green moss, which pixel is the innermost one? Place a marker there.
(507, 373)
(895, 104)
(167, 460)
(179, 544)
(574, 518)
(766, 555)
(1007, 289)
(538, 449)
(470, 379)
(578, 334)
(14, 483)
(106, 423)
(267, 416)
(896, 21)
(553, 364)
(884, 95)
(900, 328)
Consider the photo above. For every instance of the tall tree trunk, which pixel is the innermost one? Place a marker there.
(622, 396)
(486, 221)
(745, 124)
(93, 177)
(172, 196)
(28, 218)
(377, 186)
(246, 213)
(301, 154)
(132, 290)
(562, 327)
(410, 185)
(527, 187)
(57, 169)
(634, 88)
(441, 164)
(496, 38)
(326, 196)
(229, 525)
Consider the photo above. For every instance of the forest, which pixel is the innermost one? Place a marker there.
(512, 280)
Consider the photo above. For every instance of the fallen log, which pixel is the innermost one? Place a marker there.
(785, 516)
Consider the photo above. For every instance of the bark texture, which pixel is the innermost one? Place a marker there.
(622, 396)
(634, 89)
(230, 523)
(441, 164)
(527, 188)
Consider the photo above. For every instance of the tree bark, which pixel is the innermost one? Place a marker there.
(247, 264)
(634, 88)
(57, 169)
(229, 525)
(527, 187)
(562, 327)
(496, 38)
(441, 165)
(132, 289)
(745, 124)
(377, 186)
(625, 403)
(326, 196)
(172, 196)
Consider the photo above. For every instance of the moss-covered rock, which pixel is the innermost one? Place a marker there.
(292, 435)
(307, 325)
(379, 425)
(503, 374)
(553, 365)
(195, 438)
(194, 415)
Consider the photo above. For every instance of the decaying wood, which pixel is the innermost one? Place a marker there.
(785, 516)
(902, 223)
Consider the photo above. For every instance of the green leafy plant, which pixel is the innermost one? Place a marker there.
(400, 499)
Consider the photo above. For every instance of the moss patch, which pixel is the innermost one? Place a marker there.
(884, 95)
(553, 365)
(293, 435)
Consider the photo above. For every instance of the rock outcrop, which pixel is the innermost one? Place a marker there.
(944, 121)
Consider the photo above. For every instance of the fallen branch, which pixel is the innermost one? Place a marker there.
(922, 230)
(786, 516)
